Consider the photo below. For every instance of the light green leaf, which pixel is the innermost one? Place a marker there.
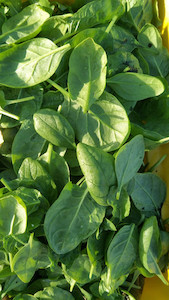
(24, 25)
(53, 127)
(25, 260)
(87, 73)
(127, 85)
(13, 215)
(54, 293)
(30, 63)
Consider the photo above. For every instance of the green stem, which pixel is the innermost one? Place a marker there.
(4, 182)
(59, 88)
(8, 114)
(8, 102)
(80, 181)
(64, 37)
(49, 151)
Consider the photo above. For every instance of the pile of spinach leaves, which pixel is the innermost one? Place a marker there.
(83, 94)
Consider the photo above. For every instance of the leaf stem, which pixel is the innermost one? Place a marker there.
(8, 114)
(58, 87)
(49, 151)
(5, 183)
(8, 102)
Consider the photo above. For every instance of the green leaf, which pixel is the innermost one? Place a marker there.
(54, 293)
(105, 126)
(127, 85)
(87, 73)
(13, 215)
(150, 247)
(27, 143)
(24, 25)
(72, 218)
(124, 244)
(33, 175)
(148, 193)
(129, 159)
(97, 12)
(25, 260)
(80, 270)
(30, 63)
(53, 127)
(98, 169)
(56, 167)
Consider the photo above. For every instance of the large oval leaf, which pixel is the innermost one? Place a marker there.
(148, 192)
(150, 247)
(98, 169)
(129, 159)
(54, 293)
(134, 86)
(105, 126)
(13, 216)
(122, 252)
(24, 25)
(25, 260)
(87, 73)
(73, 217)
(30, 63)
(27, 143)
(53, 127)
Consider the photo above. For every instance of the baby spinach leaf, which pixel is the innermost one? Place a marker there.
(129, 159)
(96, 247)
(80, 270)
(73, 217)
(127, 85)
(25, 261)
(56, 167)
(24, 25)
(87, 73)
(105, 126)
(98, 169)
(150, 247)
(53, 127)
(122, 39)
(54, 293)
(124, 244)
(121, 208)
(27, 143)
(33, 175)
(148, 192)
(97, 12)
(122, 62)
(30, 63)
(13, 215)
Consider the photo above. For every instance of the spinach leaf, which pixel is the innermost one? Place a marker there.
(53, 127)
(87, 73)
(129, 159)
(124, 244)
(105, 126)
(98, 169)
(80, 270)
(54, 292)
(150, 247)
(27, 143)
(24, 25)
(13, 215)
(72, 218)
(126, 85)
(33, 175)
(97, 12)
(148, 192)
(30, 63)
(25, 261)
(24, 297)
